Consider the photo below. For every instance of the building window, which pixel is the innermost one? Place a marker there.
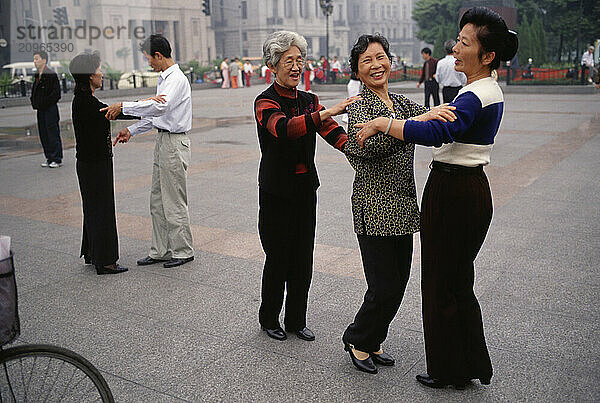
(244, 36)
(373, 11)
(244, 10)
(78, 23)
(275, 8)
(301, 8)
(389, 11)
(395, 12)
(341, 13)
(196, 28)
(76, 2)
(356, 11)
(395, 33)
(404, 33)
(404, 11)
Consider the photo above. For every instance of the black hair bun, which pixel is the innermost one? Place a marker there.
(511, 45)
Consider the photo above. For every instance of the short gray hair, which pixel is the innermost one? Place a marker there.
(448, 45)
(279, 42)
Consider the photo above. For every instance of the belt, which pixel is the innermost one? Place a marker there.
(166, 131)
(455, 169)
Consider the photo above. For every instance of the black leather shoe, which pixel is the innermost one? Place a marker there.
(147, 260)
(278, 333)
(87, 259)
(177, 262)
(305, 334)
(383, 359)
(107, 270)
(425, 379)
(362, 365)
(485, 381)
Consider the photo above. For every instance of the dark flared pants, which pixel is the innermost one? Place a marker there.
(386, 262)
(455, 216)
(49, 131)
(449, 93)
(286, 226)
(99, 241)
(432, 89)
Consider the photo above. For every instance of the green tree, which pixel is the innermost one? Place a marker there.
(437, 21)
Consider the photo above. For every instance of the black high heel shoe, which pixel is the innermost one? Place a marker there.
(108, 270)
(426, 380)
(383, 359)
(365, 365)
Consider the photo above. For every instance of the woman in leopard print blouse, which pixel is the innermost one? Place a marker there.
(384, 202)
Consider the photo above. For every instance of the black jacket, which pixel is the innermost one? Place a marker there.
(46, 90)
(92, 129)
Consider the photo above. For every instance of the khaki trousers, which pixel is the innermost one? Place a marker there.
(171, 233)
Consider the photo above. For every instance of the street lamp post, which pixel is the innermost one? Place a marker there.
(327, 8)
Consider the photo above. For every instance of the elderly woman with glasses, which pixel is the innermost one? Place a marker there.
(288, 121)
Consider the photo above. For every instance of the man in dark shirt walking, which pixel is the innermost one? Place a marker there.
(45, 94)
(428, 75)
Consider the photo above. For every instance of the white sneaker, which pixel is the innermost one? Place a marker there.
(45, 164)
(54, 164)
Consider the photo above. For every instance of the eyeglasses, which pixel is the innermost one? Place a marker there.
(289, 64)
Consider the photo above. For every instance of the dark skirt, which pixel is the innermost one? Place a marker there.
(99, 242)
(455, 217)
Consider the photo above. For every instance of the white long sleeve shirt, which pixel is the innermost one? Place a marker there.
(175, 115)
(445, 74)
(587, 59)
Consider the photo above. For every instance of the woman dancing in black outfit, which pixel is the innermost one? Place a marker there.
(100, 244)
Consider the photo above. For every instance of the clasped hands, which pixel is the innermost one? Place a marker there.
(443, 113)
(115, 109)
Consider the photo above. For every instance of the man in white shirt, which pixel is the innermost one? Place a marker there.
(450, 79)
(171, 113)
(587, 61)
(336, 67)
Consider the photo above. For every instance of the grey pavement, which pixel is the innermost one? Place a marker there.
(192, 334)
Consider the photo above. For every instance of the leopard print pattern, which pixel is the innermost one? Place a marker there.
(384, 197)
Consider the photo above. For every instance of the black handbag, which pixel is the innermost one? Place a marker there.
(9, 311)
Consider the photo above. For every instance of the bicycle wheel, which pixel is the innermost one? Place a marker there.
(45, 373)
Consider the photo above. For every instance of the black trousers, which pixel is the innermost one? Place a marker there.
(49, 132)
(449, 93)
(432, 88)
(386, 261)
(455, 216)
(286, 226)
(99, 241)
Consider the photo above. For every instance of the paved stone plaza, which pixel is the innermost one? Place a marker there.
(192, 334)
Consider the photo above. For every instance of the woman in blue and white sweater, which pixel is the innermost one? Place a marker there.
(457, 203)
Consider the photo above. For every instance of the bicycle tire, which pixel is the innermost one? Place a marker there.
(16, 356)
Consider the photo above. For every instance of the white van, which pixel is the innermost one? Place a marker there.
(27, 70)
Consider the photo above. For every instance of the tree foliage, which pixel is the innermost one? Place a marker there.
(550, 31)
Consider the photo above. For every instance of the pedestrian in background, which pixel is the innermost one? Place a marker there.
(93, 151)
(336, 68)
(225, 72)
(587, 63)
(171, 232)
(287, 122)
(432, 89)
(247, 72)
(234, 71)
(45, 94)
(450, 79)
(457, 202)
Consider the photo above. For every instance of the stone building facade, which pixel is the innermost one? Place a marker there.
(113, 28)
(242, 26)
(392, 19)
